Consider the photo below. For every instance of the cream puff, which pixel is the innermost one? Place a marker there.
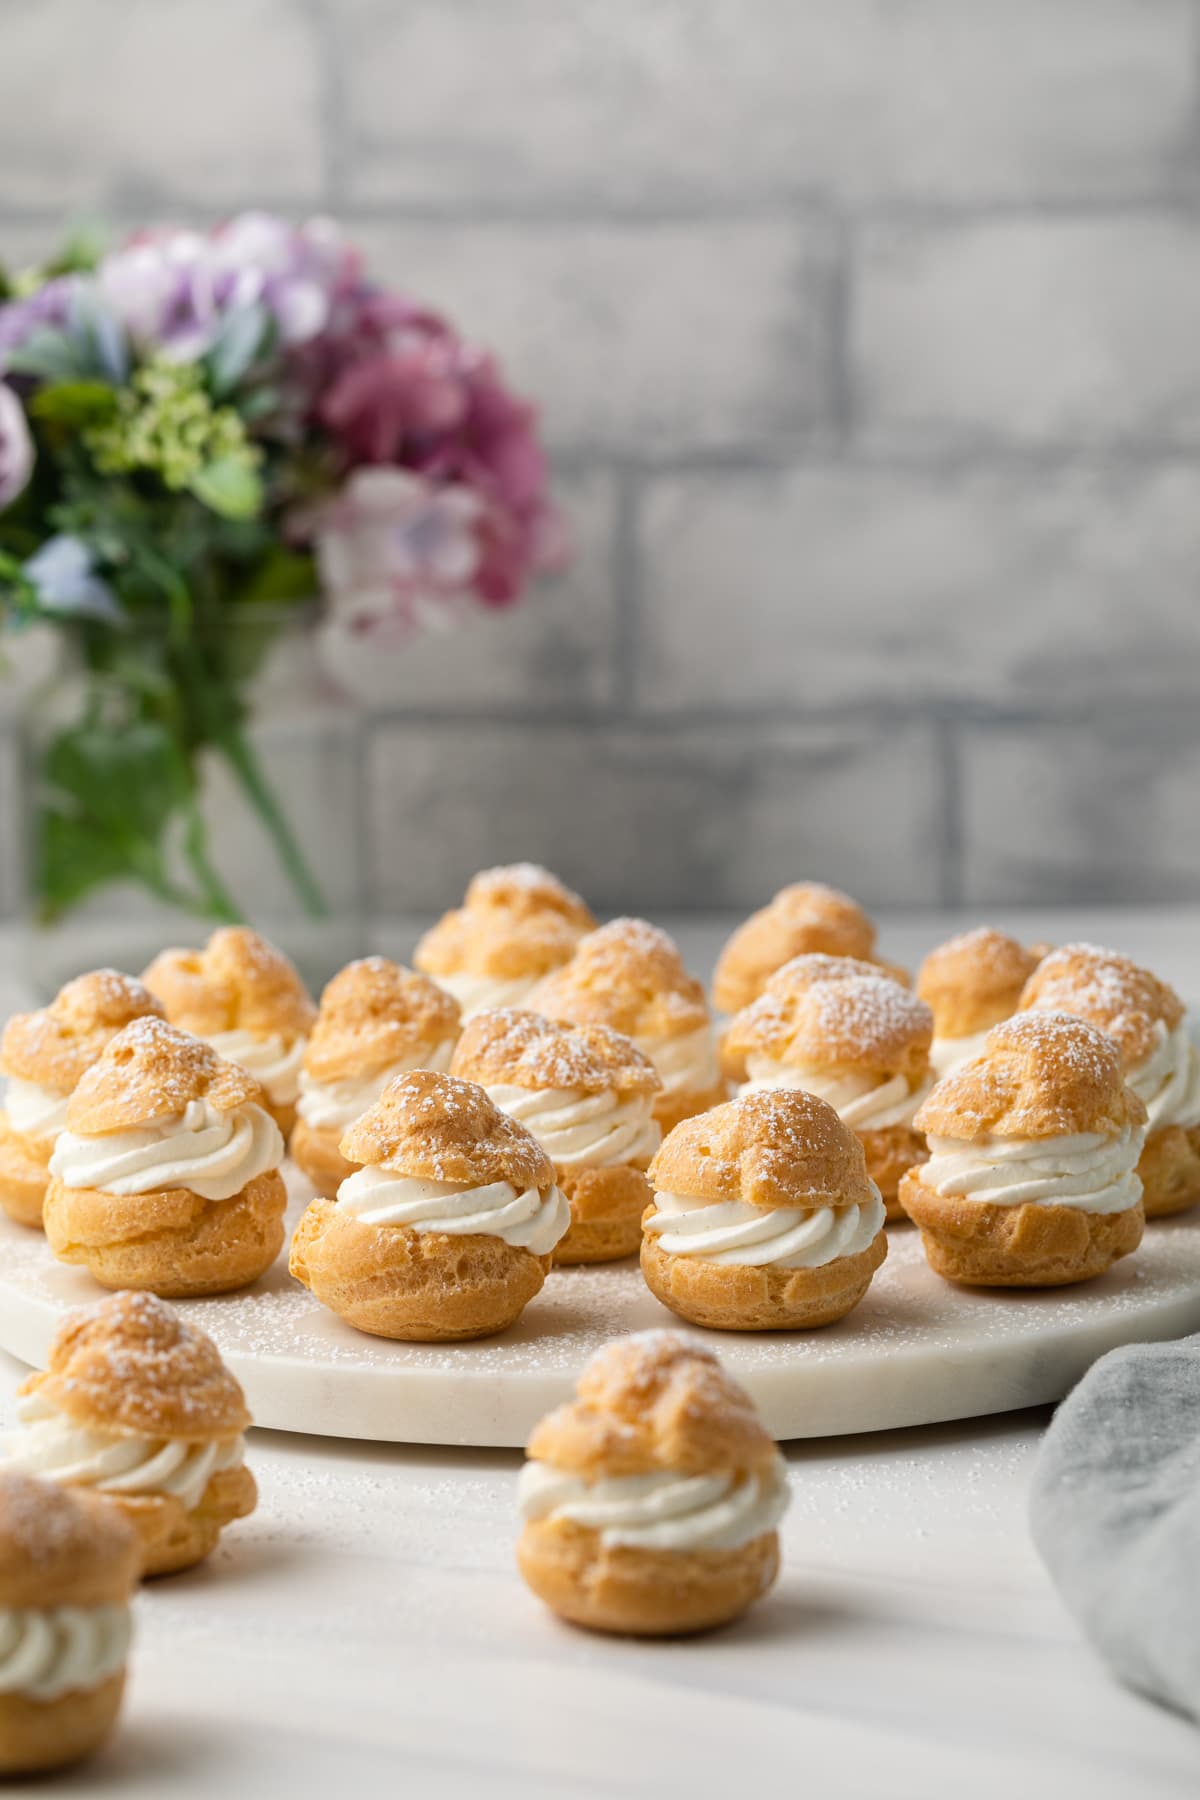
(516, 924)
(858, 1040)
(587, 1094)
(650, 1504)
(1032, 1175)
(167, 1174)
(377, 1020)
(764, 1217)
(138, 1408)
(243, 997)
(630, 976)
(67, 1570)
(805, 918)
(44, 1054)
(972, 982)
(1146, 1019)
(447, 1226)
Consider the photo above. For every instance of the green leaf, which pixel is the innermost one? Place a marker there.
(47, 355)
(241, 338)
(126, 781)
(230, 487)
(74, 403)
(74, 857)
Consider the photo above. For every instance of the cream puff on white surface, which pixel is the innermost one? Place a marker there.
(516, 924)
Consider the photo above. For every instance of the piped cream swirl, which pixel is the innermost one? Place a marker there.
(743, 1236)
(486, 993)
(577, 1130)
(48, 1652)
(1168, 1080)
(214, 1154)
(863, 1100)
(55, 1447)
(525, 1219)
(35, 1112)
(272, 1059)
(333, 1105)
(666, 1510)
(1087, 1171)
(686, 1064)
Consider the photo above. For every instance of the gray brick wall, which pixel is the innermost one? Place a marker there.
(866, 334)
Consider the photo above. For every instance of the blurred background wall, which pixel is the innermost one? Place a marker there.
(867, 334)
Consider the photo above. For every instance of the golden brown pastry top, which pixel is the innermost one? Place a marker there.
(657, 1400)
(1111, 990)
(437, 1128)
(974, 980)
(527, 1050)
(498, 943)
(525, 889)
(375, 1013)
(630, 976)
(152, 1071)
(799, 919)
(130, 1363)
(60, 1547)
(238, 982)
(865, 1023)
(1041, 1075)
(57, 1044)
(778, 1148)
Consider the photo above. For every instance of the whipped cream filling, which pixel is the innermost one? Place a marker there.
(333, 1105)
(1168, 1080)
(50, 1444)
(486, 993)
(271, 1059)
(214, 1154)
(862, 1100)
(686, 1064)
(740, 1235)
(577, 1130)
(665, 1510)
(525, 1219)
(35, 1112)
(48, 1652)
(1086, 1171)
(949, 1053)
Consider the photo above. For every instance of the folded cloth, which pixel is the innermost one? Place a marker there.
(1115, 1511)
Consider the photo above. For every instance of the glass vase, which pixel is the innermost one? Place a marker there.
(172, 785)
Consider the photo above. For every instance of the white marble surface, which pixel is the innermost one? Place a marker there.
(366, 1630)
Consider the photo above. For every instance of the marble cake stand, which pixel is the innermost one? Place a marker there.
(917, 1350)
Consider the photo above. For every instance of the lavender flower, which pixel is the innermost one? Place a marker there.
(67, 583)
(393, 547)
(16, 447)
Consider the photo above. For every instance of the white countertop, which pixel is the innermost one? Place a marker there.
(366, 1629)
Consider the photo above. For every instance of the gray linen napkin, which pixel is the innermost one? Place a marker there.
(1115, 1511)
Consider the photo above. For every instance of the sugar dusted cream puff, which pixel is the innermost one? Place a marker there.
(802, 919)
(857, 1039)
(243, 997)
(650, 1503)
(167, 1174)
(44, 1054)
(1032, 1176)
(517, 923)
(587, 1094)
(630, 976)
(972, 982)
(764, 1217)
(377, 1020)
(1146, 1019)
(67, 1570)
(138, 1408)
(446, 1228)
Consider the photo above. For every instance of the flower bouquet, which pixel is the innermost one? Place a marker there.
(199, 429)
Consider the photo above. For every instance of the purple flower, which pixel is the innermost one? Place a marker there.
(393, 549)
(47, 307)
(16, 447)
(67, 583)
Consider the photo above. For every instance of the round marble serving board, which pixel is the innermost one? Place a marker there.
(917, 1349)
